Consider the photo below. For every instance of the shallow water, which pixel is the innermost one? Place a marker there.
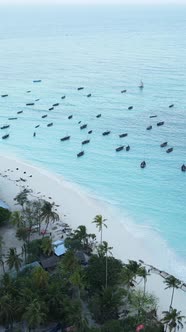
(105, 50)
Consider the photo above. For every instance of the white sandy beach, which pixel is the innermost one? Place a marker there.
(76, 208)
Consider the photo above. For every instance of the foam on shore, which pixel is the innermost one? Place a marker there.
(76, 208)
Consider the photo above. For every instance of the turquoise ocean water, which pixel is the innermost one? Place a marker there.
(105, 50)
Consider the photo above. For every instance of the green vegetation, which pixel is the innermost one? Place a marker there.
(88, 290)
(4, 215)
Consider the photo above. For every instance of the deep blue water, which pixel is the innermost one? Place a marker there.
(106, 50)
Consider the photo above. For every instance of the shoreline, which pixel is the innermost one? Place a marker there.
(77, 208)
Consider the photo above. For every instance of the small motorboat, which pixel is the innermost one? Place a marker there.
(162, 145)
(105, 133)
(12, 118)
(3, 96)
(130, 107)
(85, 141)
(89, 95)
(66, 138)
(152, 116)
(37, 99)
(83, 126)
(37, 81)
(80, 88)
(44, 116)
(63, 97)
(50, 124)
(80, 154)
(127, 147)
(123, 135)
(79, 122)
(120, 148)
(90, 132)
(19, 112)
(98, 115)
(149, 128)
(123, 91)
(28, 91)
(5, 127)
(51, 108)
(37, 126)
(34, 134)
(56, 104)
(172, 105)
(70, 116)
(183, 168)
(29, 104)
(141, 85)
(161, 123)
(169, 150)
(143, 164)
(5, 136)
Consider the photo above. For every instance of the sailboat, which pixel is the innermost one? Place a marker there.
(141, 86)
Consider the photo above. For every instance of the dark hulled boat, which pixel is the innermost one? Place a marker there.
(90, 132)
(162, 145)
(12, 118)
(37, 99)
(89, 95)
(149, 128)
(66, 138)
(37, 126)
(5, 136)
(28, 91)
(123, 135)
(120, 148)
(86, 141)
(63, 97)
(5, 127)
(169, 150)
(152, 116)
(51, 108)
(183, 168)
(172, 105)
(127, 147)
(83, 126)
(50, 124)
(37, 81)
(29, 104)
(56, 104)
(80, 154)
(161, 123)
(130, 107)
(3, 96)
(70, 116)
(143, 164)
(98, 115)
(19, 112)
(123, 91)
(80, 88)
(44, 116)
(105, 133)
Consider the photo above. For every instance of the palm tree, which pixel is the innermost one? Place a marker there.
(34, 314)
(174, 283)
(13, 259)
(173, 319)
(22, 197)
(103, 251)
(17, 219)
(40, 277)
(47, 246)
(142, 272)
(100, 222)
(48, 214)
(6, 309)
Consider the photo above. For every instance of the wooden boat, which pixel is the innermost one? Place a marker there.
(119, 148)
(85, 141)
(12, 118)
(143, 164)
(70, 116)
(130, 107)
(5, 136)
(51, 108)
(160, 123)
(29, 104)
(37, 81)
(83, 126)
(149, 128)
(152, 116)
(80, 88)
(3, 96)
(169, 150)
(66, 138)
(37, 126)
(98, 116)
(56, 104)
(127, 147)
(90, 132)
(123, 91)
(80, 154)
(63, 97)
(183, 168)
(162, 145)
(50, 124)
(44, 116)
(19, 112)
(5, 127)
(123, 135)
(105, 133)
(172, 105)
(89, 95)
